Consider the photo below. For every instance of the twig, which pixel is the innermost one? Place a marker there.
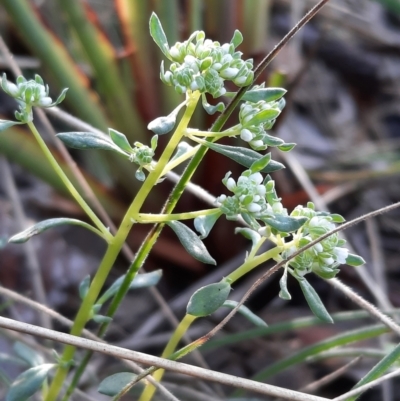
(32, 261)
(57, 316)
(367, 386)
(145, 359)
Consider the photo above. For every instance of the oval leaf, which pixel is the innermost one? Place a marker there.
(204, 224)
(45, 225)
(208, 299)
(285, 224)
(142, 280)
(191, 242)
(314, 301)
(272, 140)
(263, 116)
(32, 357)
(286, 147)
(237, 38)
(28, 382)
(4, 124)
(89, 140)
(354, 260)
(247, 313)
(113, 384)
(162, 125)
(120, 140)
(245, 157)
(261, 163)
(284, 293)
(265, 94)
(158, 34)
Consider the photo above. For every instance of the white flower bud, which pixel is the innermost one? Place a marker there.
(341, 255)
(229, 73)
(314, 222)
(194, 86)
(246, 135)
(225, 48)
(318, 247)
(227, 59)
(231, 184)
(257, 178)
(45, 101)
(174, 52)
(220, 199)
(240, 80)
(253, 208)
(328, 261)
(217, 66)
(261, 190)
(12, 89)
(257, 144)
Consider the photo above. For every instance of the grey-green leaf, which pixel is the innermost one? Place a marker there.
(32, 357)
(113, 384)
(162, 125)
(263, 116)
(142, 280)
(209, 108)
(314, 301)
(237, 38)
(28, 382)
(247, 313)
(158, 34)
(89, 140)
(285, 224)
(286, 147)
(354, 260)
(191, 242)
(204, 224)
(120, 140)
(208, 299)
(45, 225)
(102, 319)
(84, 287)
(261, 163)
(284, 292)
(244, 156)
(4, 124)
(265, 94)
(250, 234)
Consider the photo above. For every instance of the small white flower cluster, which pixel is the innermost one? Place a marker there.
(30, 93)
(254, 125)
(325, 257)
(204, 65)
(249, 198)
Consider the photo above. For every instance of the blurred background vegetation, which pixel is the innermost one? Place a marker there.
(342, 73)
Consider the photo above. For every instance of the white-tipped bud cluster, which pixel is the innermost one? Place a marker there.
(202, 64)
(28, 94)
(256, 118)
(249, 199)
(325, 257)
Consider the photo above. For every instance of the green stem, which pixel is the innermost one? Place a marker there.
(104, 230)
(116, 245)
(161, 218)
(176, 162)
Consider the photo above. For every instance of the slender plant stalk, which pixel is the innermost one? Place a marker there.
(107, 235)
(115, 246)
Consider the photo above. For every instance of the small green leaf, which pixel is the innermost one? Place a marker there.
(272, 140)
(354, 260)
(209, 108)
(263, 116)
(208, 299)
(113, 384)
(89, 140)
(32, 357)
(158, 34)
(237, 38)
(142, 280)
(45, 225)
(181, 149)
(204, 224)
(313, 300)
(4, 124)
(337, 218)
(261, 163)
(102, 319)
(28, 382)
(162, 125)
(191, 242)
(120, 140)
(61, 97)
(286, 147)
(250, 234)
(284, 293)
(265, 94)
(286, 224)
(244, 156)
(247, 313)
(84, 287)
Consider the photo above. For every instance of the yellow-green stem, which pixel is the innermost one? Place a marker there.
(160, 218)
(169, 349)
(115, 246)
(82, 203)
